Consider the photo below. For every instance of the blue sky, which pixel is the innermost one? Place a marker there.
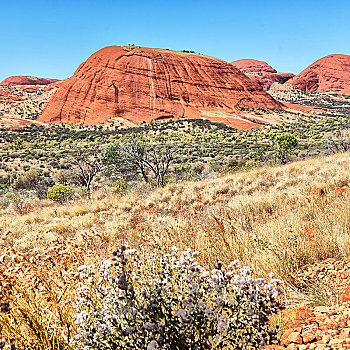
(51, 38)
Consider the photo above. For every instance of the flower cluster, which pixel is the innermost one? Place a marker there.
(169, 301)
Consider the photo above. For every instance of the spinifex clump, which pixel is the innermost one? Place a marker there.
(169, 301)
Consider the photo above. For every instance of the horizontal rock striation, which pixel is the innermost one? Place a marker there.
(328, 74)
(143, 84)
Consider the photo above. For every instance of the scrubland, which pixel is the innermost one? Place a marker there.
(276, 220)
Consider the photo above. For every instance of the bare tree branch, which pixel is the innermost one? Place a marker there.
(132, 158)
(85, 167)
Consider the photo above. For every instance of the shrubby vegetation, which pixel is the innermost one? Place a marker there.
(130, 186)
(60, 193)
(154, 301)
(135, 158)
(272, 219)
(285, 146)
(34, 158)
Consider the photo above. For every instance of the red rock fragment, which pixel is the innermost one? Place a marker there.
(297, 316)
(308, 337)
(295, 337)
(346, 295)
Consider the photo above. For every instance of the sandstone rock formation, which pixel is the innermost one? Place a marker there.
(253, 66)
(328, 74)
(261, 72)
(26, 80)
(143, 84)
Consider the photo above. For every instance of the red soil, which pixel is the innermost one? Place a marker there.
(236, 123)
(301, 107)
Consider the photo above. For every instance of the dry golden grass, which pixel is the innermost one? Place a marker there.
(300, 208)
(271, 219)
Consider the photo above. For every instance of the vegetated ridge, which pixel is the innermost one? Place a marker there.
(21, 104)
(261, 72)
(143, 84)
(328, 74)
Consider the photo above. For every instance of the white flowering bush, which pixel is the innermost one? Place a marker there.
(169, 301)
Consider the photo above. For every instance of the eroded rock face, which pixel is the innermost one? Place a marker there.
(253, 66)
(26, 80)
(261, 72)
(328, 74)
(142, 84)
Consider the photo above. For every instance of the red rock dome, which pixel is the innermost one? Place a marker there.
(330, 73)
(253, 66)
(142, 84)
(261, 72)
(27, 80)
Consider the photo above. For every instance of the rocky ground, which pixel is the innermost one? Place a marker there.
(324, 326)
(318, 328)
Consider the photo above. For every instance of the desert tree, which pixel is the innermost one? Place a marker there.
(133, 158)
(84, 166)
(285, 145)
(33, 180)
(340, 144)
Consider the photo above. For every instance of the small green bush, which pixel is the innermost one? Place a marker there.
(60, 193)
(198, 167)
(19, 203)
(28, 180)
(64, 177)
(285, 141)
(3, 188)
(120, 186)
(285, 145)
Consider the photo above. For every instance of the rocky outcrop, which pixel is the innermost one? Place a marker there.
(261, 72)
(328, 74)
(143, 84)
(319, 328)
(26, 80)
